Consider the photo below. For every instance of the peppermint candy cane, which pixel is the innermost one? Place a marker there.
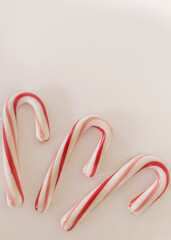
(137, 205)
(52, 177)
(10, 154)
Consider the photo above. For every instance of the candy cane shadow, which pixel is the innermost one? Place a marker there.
(36, 157)
(142, 180)
(128, 143)
(72, 181)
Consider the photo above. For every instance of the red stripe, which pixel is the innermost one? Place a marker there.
(65, 152)
(41, 134)
(98, 155)
(125, 173)
(89, 202)
(69, 214)
(11, 164)
(59, 172)
(48, 187)
(37, 199)
(133, 200)
(10, 123)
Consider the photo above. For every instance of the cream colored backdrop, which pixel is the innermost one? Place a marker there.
(108, 57)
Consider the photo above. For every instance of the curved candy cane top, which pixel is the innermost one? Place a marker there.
(137, 205)
(48, 187)
(10, 155)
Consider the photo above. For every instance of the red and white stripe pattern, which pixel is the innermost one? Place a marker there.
(137, 205)
(10, 155)
(51, 179)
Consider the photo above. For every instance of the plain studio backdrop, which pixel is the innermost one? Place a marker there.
(111, 58)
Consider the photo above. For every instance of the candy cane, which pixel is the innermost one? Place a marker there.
(52, 177)
(10, 154)
(137, 205)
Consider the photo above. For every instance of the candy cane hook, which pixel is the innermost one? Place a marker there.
(50, 182)
(10, 154)
(137, 205)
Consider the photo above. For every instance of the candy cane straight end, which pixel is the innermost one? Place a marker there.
(12, 204)
(137, 205)
(14, 191)
(66, 226)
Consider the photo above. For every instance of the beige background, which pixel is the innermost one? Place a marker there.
(110, 58)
